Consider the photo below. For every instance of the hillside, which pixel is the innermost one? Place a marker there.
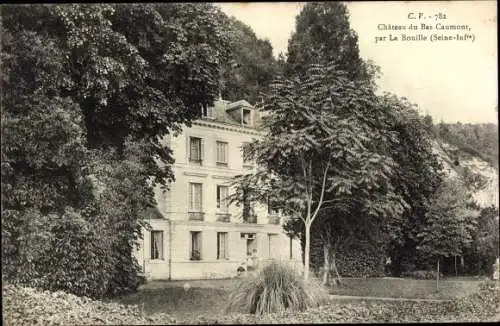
(480, 176)
(469, 140)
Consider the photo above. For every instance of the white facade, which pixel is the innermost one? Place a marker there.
(197, 235)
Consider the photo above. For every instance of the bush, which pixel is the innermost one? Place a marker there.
(422, 275)
(276, 288)
(30, 306)
(62, 252)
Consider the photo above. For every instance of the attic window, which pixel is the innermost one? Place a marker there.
(207, 112)
(246, 117)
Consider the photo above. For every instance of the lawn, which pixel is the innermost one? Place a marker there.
(449, 288)
(166, 303)
(209, 297)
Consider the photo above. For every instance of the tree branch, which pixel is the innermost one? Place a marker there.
(323, 186)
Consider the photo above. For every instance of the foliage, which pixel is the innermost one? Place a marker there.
(326, 141)
(485, 247)
(22, 306)
(355, 246)
(252, 67)
(323, 35)
(422, 275)
(449, 224)
(88, 92)
(470, 139)
(28, 306)
(276, 288)
(417, 179)
(361, 263)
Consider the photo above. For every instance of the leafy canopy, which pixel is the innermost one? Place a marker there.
(88, 92)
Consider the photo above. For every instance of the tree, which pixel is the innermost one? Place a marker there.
(449, 224)
(323, 35)
(252, 66)
(485, 247)
(324, 141)
(417, 179)
(88, 91)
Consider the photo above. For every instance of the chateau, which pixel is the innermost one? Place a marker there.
(196, 233)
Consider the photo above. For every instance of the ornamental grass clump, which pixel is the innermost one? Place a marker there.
(277, 287)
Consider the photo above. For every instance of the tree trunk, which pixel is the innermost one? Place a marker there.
(456, 271)
(307, 250)
(326, 264)
(437, 276)
(334, 265)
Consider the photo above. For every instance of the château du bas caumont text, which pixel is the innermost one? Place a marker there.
(423, 27)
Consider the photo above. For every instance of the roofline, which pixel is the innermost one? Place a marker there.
(228, 127)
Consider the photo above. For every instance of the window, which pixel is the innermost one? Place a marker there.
(251, 243)
(246, 159)
(222, 153)
(271, 209)
(195, 245)
(207, 112)
(222, 248)
(195, 203)
(246, 117)
(248, 214)
(156, 244)
(222, 202)
(195, 150)
(272, 239)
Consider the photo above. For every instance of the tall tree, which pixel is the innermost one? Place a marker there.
(323, 35)
(326, 140)
(449, 224)
(88, 91)
(252, 66)
(417, 179)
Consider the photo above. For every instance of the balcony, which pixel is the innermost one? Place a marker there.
(273, 219)
(251, 219)
(223, 217)
(196, 216)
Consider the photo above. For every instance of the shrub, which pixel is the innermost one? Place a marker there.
(30, 306)
(62, 252)
(276, 288)
(422, 274)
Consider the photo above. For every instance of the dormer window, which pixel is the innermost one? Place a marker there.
(246, 117)
(207, 112)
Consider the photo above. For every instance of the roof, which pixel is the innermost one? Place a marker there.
(224, 112)
(152, 213)
(238, 104)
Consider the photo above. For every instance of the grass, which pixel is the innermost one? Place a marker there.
(275, 288)
(178, 302)
(209, 298)
(449, 288)
(28, 306)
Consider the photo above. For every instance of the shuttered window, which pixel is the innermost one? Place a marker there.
(222, 245)
(195, 197)
(156, 244)
(195, 150)
(195, 245)
(222, 154)
(222, 202)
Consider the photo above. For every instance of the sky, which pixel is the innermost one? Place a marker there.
(453, 81)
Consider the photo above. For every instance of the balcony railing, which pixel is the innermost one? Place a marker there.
(273, 219)
(196, 161)
(250, 219)
(196, 216)
(223, 217)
